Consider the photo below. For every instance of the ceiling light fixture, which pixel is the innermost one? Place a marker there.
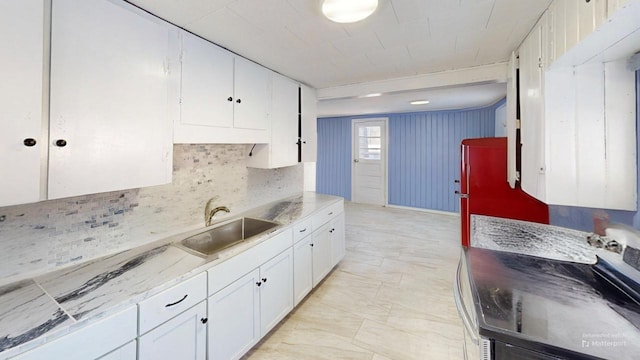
(419, 102)
(371, 95)
(348, 11)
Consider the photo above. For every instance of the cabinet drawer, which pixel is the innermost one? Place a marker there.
(302, 229)
(229, 271)
(323, 216)
(171, 302)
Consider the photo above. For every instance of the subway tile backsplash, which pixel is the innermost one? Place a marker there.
(42, 236)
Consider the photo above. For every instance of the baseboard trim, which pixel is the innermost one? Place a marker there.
(440, 212)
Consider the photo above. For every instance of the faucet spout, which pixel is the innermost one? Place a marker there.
(210, 212)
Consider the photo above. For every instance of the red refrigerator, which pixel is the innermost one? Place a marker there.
(484, 189)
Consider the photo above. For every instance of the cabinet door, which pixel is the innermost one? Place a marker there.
(591, 14)
(302, 269)
(251, 95)
(276, 291)
(207, 84)
(126, 352)
(112, 68)
(183, 337)
(309, 124)
(284, 122)
(338, 246)
(321, 253)
(21, 55)
(532, 115)
(234, 318)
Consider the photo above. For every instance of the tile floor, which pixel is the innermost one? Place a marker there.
(391, 297)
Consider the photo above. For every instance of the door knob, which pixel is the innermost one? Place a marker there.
(264, 280)
(229, 98)
(239, 101)
(204, 320)
(61, 143)
(356, 160)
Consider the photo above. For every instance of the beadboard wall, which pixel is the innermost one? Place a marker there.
(42, 236)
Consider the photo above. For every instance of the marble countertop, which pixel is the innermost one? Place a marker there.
(523, 237)
(37, 310)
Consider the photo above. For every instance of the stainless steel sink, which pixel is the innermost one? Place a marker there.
(226, 235)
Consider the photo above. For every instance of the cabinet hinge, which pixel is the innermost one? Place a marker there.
(518, 124)
(540, 63)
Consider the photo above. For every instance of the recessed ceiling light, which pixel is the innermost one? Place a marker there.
(348, 11)
(371, 95)
(419, 102)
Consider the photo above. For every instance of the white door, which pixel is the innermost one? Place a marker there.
(183, 337)
(234, 319)
(21, 58)
(321, 253)
(302, 269)
(112, 73)
(276, 291)
(369, 170)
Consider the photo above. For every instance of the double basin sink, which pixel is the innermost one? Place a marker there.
(234, 232)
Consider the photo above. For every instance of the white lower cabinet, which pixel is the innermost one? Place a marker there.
(338, 245)
(103, 337)
(244, 311)
(276, 290)
(126, 352)
(302, 269)
(321, 243)
(183, 337)
(234, 325)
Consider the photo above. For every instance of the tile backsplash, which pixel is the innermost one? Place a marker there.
(42, 236)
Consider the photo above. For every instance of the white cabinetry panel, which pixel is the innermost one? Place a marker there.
(21, 57)
(183, 337)
(234, 318)
(282, 150)
(338, 246)
(111, 103)
(276, 291)
(104, 336)
(302, 269)
(126, 352)
(251, 90)
(309, 124)
(321, 253)
(207, 83)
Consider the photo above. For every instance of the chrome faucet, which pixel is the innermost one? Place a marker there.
(209, 212)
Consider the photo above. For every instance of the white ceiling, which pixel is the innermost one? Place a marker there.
(402, 39)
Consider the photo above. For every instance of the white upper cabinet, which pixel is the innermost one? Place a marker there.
(111, 101)
(207, 84)
(282, 149)
(251, 95)
(309, 102)
(578, 120)
(224, 98)
(21, 57)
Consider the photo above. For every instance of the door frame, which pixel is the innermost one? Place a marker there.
(385, 152)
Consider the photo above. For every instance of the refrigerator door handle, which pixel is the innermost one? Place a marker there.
(461, 195)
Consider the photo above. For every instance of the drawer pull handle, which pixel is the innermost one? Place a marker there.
(177, 302)
(303, 230)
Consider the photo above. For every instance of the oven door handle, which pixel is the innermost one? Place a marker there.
(462, 310)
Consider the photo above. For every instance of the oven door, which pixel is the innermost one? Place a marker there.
(475, 346)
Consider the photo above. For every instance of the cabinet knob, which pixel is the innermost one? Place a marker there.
(229, 98)
(61, 143)
(239, 101)
(29, 142)
(264, 280)
(204, 320)
(259, 283)
(311, 245)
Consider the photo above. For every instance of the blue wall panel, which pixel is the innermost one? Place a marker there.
(333, 167)
(424, 154)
